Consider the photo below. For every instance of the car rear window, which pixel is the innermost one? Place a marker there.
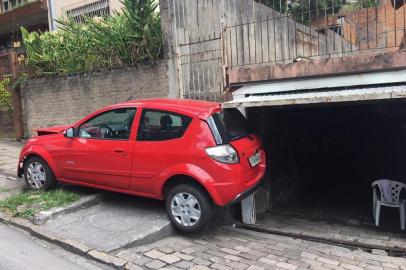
(228, 125)
(156, 125)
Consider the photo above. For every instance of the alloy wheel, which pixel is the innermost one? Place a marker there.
(185, 209)
(36, 175)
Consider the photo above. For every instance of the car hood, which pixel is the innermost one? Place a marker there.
(51, 130)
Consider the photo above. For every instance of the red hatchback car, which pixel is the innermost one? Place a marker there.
(190, 153)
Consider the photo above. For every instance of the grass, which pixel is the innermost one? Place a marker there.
(3, 189)
(28, 203)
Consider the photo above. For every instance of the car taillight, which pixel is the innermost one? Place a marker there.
(223, 153)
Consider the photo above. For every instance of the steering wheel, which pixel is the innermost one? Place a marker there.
(107, 131)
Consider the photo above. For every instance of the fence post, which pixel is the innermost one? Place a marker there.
(16, 97)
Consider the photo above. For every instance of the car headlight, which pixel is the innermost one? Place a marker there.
(223, 153)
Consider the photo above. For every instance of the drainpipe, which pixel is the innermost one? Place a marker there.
(51, 13)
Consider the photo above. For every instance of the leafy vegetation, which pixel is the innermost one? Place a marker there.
(5, 95)
(125, 38)
(28, 203)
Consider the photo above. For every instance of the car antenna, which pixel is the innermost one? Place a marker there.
(130, 98)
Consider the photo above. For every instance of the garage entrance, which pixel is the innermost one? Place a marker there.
(322, 160)
(326, 157)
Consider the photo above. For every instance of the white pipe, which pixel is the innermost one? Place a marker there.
(51, 18)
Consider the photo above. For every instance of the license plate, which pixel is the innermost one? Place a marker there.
(255, 159)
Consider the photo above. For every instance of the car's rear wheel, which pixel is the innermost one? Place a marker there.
(189, 207)
(38, 175)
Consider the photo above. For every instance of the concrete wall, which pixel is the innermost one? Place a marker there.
(64, 100)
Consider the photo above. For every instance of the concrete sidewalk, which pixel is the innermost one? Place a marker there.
(118, 221)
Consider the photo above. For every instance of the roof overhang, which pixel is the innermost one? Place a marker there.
(319, 97)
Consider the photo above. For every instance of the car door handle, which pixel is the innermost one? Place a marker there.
(119, 150)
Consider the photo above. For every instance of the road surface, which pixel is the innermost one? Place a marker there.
(19, 250)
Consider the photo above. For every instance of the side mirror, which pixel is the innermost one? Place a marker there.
(69, 133)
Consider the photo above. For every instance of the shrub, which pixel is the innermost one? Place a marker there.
(5, 95)
(126, 38)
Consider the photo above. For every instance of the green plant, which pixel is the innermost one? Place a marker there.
(28, 203)
(126, 38)
(5, 95)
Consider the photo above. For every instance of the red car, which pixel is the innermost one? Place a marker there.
(190, 153)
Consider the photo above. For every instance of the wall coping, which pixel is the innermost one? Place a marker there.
(87, 74)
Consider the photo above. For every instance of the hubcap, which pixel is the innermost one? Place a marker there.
(185, 209)
(36, 175)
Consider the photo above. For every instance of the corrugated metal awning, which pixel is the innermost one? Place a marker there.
(353, 95)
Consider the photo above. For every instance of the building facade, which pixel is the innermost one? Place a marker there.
(77, 10)
(16, 13)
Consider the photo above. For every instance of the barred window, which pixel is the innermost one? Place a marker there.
(91, 9)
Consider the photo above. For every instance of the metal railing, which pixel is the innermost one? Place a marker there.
(9, 5)
(284, 31)
(88, 8)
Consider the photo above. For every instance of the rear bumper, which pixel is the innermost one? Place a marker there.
(245, 193)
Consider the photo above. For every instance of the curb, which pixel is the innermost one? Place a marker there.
(84, 202)
(68, 244)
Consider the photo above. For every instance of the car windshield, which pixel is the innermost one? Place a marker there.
(231, 125)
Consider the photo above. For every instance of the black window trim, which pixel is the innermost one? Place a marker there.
(77, 130)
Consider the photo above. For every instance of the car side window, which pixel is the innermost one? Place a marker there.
(156, 125)
(111, 125)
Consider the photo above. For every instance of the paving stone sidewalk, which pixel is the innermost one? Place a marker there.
(9, 153)
(352, 233)
(230, 248)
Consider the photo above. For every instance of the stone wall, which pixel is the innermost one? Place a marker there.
(64, 100)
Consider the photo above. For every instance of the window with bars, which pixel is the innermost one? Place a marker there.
(85, 9)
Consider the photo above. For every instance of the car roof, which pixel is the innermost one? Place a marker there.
(184, 106)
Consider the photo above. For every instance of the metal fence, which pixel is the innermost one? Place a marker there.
(284, 31)
(7, 129)
(6, 123)
(201, 75)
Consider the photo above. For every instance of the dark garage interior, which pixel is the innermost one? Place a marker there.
(322, 159)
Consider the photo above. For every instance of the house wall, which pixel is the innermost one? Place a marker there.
(64, 100)
(60, 5)
(371, 28)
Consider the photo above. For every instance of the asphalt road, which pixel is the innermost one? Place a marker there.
(19, 250)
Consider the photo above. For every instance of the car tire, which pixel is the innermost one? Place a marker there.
(195, 200)
(38, 175)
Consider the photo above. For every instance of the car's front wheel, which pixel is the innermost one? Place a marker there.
(189, 207)
(38, 175)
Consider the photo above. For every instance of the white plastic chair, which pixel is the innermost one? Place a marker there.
(390, 197)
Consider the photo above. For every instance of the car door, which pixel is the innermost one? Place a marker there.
(158, 146)
(101, 152)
